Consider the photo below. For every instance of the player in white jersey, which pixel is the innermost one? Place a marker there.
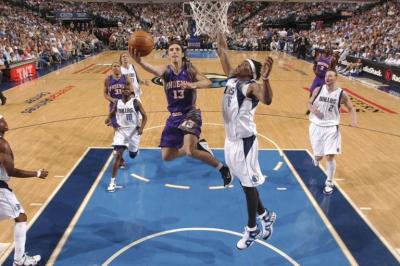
(128, 131)
(324, 106)
(10, 208)
(130, 71)
(241, 96)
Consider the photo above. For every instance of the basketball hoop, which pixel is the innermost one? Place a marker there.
(210, 16)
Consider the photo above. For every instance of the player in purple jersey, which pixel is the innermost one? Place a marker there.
(183, 127)
(322, 64)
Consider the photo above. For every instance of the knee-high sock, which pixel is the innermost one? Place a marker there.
(19, 238)
(252, 204)
(330, 169)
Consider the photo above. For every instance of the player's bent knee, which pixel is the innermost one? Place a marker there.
(21, 218)
(190, 151)
(118, 156)
(166, 157)
(330, 157)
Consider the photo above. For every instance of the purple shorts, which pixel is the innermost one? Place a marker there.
(174, 131)
(114, 118)
(318, 82)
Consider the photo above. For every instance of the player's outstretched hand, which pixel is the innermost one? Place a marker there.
(267, 67)
(42, 173)
(135, 55)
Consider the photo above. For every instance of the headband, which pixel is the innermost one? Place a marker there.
(253, 68)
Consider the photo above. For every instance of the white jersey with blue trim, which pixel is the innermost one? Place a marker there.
(238, 110)
(328, 103)
(127, 113)
(131, 73)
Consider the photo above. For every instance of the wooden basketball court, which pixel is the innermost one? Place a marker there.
(55, 118)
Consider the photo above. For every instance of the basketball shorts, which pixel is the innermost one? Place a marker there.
(10, 208)
(178, 125)
(128, 137)
(325, 140)
(241, 156)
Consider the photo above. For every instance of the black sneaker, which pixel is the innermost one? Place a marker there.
(226, 176)
(3, 100)
(203, 145)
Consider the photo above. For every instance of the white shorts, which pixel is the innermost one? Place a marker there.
(123, 137)
(10, 208)
(246, 168)
(325, 140)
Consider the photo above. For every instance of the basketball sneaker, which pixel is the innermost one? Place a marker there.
(226, 175)
(3, 99)
(203, 145)
(328, 189)
(267, 221)
(27, 260)
(248, 238)
(112, 187)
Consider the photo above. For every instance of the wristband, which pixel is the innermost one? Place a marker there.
(38, 173)
(267, 78)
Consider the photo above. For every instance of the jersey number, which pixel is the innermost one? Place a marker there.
(229, 100)
(179, 94)
(129, 117)
(188, 124)
(330, 108)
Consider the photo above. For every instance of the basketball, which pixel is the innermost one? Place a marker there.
(142, 42)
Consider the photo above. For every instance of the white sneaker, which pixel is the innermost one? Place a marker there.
(203, 145)
(27, 260)
(248, 238)
(328, 189)
(267, 225)
(112, 187)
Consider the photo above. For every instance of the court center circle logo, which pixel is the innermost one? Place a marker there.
(218, 81)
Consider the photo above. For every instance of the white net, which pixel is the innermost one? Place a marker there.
(210, 16)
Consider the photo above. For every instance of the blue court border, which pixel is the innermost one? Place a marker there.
(360, 239)
(48, 229)
(364, 245)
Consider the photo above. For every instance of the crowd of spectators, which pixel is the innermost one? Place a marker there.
(373, 34)
(24, 35)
